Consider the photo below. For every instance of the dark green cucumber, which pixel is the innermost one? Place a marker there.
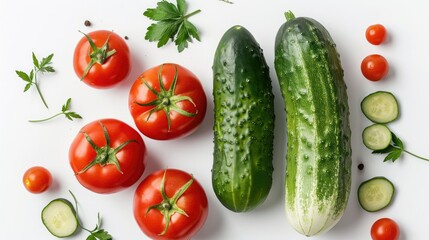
(243, 122)
(318, 159)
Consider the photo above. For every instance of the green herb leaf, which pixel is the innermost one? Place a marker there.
(39, 67)
(393, 156)
(397, 141)
(65, 110)
(91, 237)
(24, 76)
(45, 62)
(181, 5)
(172, 23)
(395, 149)
(28, 86)
(35, 61)
(101, 234)
(97, 233)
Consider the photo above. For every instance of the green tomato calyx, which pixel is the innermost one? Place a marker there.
(97, 55)
(166, 100)
(106, 154)
(168, 207)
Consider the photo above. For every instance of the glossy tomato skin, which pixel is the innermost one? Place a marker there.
(194, 202)
(107, 178)
(374, 67)
(114, 70)
(376, 34)
(385, 229)
(156, 127)
(37, 179)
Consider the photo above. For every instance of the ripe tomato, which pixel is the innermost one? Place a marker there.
(167, 101)
(170, 204)
(385, 229)
(37, 179)
(374, 67)
(376, 34)
(107, 156)
(102, 59)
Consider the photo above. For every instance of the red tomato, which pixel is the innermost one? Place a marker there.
(107, 156)
(37, 179)
(105, 56)
(376, 34)
(374, 67)
(167, 101)
(170, 204)
(385, 229)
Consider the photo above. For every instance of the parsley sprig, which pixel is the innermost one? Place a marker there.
(65, 110)
(31, 78)
(395, 150)
(172, 23)
(97, 233)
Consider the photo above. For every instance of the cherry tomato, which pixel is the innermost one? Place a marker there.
(37, 179)
(167, 102)
(102, 59)
(385, 229)
(170, 204)
(374, 67)
(376, 34)
(107, 156)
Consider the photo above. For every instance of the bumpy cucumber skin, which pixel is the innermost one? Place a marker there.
(243, 122)
(318, 159)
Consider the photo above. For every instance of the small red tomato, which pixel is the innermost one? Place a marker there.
(376, 34)
(167, 102)
(374, 67)
(37, 179)
(107, 156)
(102, 59)
(385, 229)
(170, 204)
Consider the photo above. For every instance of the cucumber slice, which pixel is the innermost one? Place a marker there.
(377, 136)
(375, 194)
(59, 217)
(380, 107)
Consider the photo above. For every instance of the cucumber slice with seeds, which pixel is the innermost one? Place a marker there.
(377, 136)
(380, 107)
(59, 217)
(376, 194)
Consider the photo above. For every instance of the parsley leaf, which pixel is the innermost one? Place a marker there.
(31, 79)
(98, 233)
(172, 23)
(395, 149)
(65, 110)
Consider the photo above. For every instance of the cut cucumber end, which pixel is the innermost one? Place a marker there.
(380, 107)
(375, 194)
(59, 217)
(377, 136)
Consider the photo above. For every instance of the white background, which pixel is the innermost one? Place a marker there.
(50, 26)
